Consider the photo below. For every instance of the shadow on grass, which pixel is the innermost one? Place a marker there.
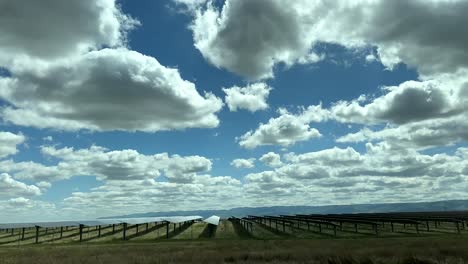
(174, 232)
(240, 230)
(276, 231)
(209, 231)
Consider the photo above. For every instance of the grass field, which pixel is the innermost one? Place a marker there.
(229, 243)
(450, 249)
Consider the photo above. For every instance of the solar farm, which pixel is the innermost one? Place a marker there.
(256, 227)
(195, 231)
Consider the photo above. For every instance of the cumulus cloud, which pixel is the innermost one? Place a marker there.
(419, 135)
(285, 130)
(112, 198)
(9, 143)
(408, 102)
(418, 114)
(53, 29)
(106, 165)
(10, 187)
(271, 159)
(381, 172)
(110, 89)
(243, 163)
(252, 97)
(185, 169)
(251, 37)
(18, 209)
(79, 74)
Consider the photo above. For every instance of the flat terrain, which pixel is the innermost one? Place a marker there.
(231, 243)
(448, 249)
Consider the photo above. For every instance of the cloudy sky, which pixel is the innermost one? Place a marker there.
(111, 107)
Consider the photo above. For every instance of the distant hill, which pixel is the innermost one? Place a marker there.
(453, 205)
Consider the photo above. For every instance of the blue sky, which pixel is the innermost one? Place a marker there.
(124, 106)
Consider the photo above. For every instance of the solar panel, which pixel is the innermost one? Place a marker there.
(16, 225)
(131, 221)
(180, 219)
(214, 220)
(110, 221)
(90, 223)
(138, 221)
(56, 224)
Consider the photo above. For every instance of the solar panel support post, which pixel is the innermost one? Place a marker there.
(99, 231)
(320, 227)
(284, 227)
(137, 225)
(174, 228)
(113, 228)
(147, 225)
(167, 229)
(308, 226)
(124, 235)
(355, 227)
(417, 228)
(46, 230)
(393, 229)
(12, 231)
(458, 227)
(81, 232)
(376, 229)
(334, 230)
(22, 234)
(37, 234)
(61, 231)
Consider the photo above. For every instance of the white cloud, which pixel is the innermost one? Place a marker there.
(345, 175)
(271, 159)
(116, 165)
(252, 97)
(417, 114)
(54, 29)
(113, 198)
(10, 187)
(243, 163)
(9, 143)
(110, 89)
(419, 135)
(411, 101)
(19, 208)
(48, 138)
(185, 169)
(251, 37)
(44, 185)
(285, 130)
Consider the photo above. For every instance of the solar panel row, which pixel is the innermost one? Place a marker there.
(374, 222)
(102, 222)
